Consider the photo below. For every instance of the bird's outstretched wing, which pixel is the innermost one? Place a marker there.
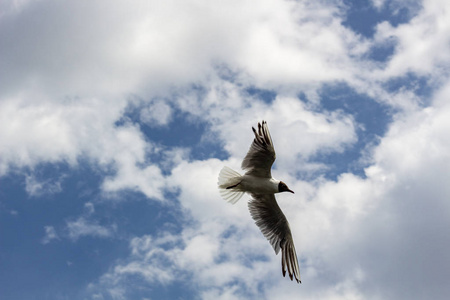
(275, 227)
(261, 155)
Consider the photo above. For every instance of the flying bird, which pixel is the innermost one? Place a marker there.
(263, 206)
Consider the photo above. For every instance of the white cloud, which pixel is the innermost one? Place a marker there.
(218, 251)
(378, 3)
(160, 45)
(67, 68)
(201, 252)
(387, 225)
(48, 131)
(299, 132)
(83, 227)
(353, 235)
(62, 99)
(89, 208)
(157, 114)
(52, 132)
(50, 234)
(87, 225)
(421, 44)
(37, 188)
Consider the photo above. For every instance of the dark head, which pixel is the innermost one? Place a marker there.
(282, 187)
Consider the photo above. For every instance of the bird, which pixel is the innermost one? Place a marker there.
(262, 187)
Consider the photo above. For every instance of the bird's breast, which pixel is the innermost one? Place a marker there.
(259, 185)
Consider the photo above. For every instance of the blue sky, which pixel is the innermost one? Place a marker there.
(116, 118)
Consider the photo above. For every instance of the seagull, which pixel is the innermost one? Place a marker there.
(263, 206)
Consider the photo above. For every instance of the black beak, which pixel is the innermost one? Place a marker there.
(290, 191)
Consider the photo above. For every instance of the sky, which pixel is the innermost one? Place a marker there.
(116, 118)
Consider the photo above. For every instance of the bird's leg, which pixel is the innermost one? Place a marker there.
(233, 186)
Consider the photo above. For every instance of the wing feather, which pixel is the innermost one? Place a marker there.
(275, 227)
(261, 155)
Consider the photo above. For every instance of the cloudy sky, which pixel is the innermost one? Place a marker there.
(117, 116)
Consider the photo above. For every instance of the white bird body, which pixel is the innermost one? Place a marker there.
(258, 182)
(258, 185)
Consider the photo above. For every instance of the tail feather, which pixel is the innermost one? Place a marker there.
(231, 196)
(228, 181)
(228, 177)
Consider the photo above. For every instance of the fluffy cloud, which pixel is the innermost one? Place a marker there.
(70, 49)
(159, 113)
(75, 228)
(86, 225)
(416, 207)
(67, 76)
(72, 130)
(421, 44)
(82, 227)
(353, 235)
(45, 131)
(68, 72)
(50, 234)
(36, 188)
